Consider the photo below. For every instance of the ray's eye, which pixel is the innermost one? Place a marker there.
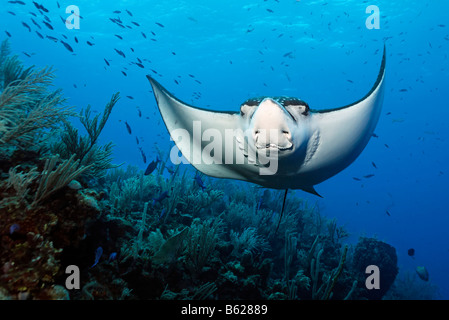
(248, 106)
(296, 107)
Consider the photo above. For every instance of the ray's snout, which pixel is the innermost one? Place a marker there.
(270, 126)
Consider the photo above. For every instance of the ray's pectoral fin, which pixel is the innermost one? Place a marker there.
(199, 134)
(344, 132)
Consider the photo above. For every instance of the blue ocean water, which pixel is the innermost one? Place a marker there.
(217, 54)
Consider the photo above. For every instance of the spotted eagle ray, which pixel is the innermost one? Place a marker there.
(277, 142)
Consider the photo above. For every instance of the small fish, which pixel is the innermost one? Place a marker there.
(388, 213)
(118, 36)
(160, 24)
(140, 65)
(199, 181)
(112, 256)
(350, 81)
(170, 169)
(129, 12)
(403, 90)
(52, 38)
(8, 34)
(39, 35)
(144, 35)
(137, 140)
(422, 273)
(40, 7)
(356, 179)
(374, 165)
(120, 53)
(49, 26)
(153, 164)
(162, 213)
(124, 73)
(106, 61)
(144, 157)
(369, 176)
(161, 197)
(26, 26)
(130, 97)
(128, 128)
(14, 228)
(117, 11)
(411, 252)
(90, 43)
(135, 23)
(269, 10)
(67, 46)
(98, 254)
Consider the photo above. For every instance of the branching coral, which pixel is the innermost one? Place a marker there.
(248, 240)
(53, 180)
(201, 242)
(85, 147)
(21, 182)
(26, 108)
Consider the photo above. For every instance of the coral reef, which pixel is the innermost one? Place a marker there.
(370, 251)
(156, 236)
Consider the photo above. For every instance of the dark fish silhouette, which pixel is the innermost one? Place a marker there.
(160, 24)
(26, 26)
(90, 43)
(40, 7)
(106, 62)
(153, 164)
(49, 26)
(411, 252)
(120, 53)
(67, 46)
(8, 34)
(128, 127)
(52, 38)
(369, 175)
